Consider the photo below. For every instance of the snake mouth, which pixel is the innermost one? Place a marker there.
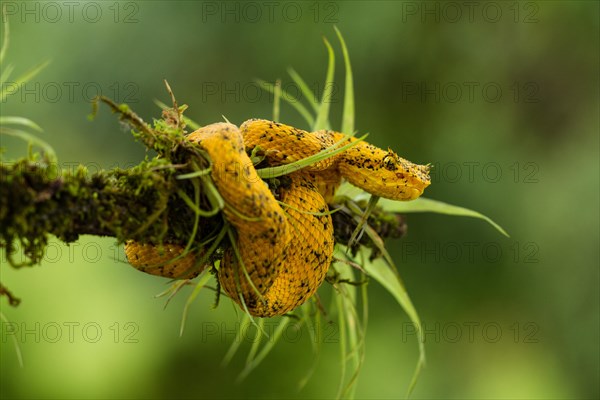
(416, 187)
(414, 193)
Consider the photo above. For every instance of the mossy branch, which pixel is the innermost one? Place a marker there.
(139, 203)
(144, 203)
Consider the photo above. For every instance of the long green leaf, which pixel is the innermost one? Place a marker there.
(27, 76)
(6, 32)
(428, 205)
(355, 345)
(32, 139)
(308, 94)
(6, 72)
(204, 277)
(343, 343)
(322, 121)
(266, 349)
(314, 327)
(237, 341)
(274, 172)
(373, 200)
(15, 342)
(383, 273)
(276, 100)
(256, 342)
(20, 121)
(292, 100)
(348, 113)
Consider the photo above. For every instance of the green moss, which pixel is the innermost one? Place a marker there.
(138, 203)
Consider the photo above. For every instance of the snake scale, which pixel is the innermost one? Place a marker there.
(285, 244)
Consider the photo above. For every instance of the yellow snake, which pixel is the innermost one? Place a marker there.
(286, 248)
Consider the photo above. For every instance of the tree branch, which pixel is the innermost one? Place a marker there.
(143, 203)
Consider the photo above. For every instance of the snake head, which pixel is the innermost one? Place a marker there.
(409, 179)
(383, 173)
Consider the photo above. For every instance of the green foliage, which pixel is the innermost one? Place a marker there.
(353, 322)
(12, 125)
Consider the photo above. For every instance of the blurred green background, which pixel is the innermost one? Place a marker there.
(502, 97)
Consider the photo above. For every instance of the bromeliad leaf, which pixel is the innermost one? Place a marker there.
(428, 205)
(386, 276)
(322, 121)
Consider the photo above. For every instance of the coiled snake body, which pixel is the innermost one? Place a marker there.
(285, 250)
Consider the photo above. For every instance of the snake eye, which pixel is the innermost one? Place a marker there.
(389, 161)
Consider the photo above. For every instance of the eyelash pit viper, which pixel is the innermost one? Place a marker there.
(285, 246)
